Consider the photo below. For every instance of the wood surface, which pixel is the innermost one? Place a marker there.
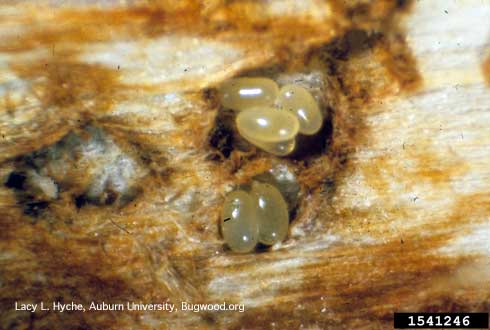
(394, 206)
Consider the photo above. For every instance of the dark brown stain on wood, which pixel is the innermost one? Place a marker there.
(97, 25)
(76, 269)
(233, 22)
(397, 58)
(66, 84)
(485, 67)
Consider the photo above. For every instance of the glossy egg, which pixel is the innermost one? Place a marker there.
(301, 103)
(244, 93)
(239, 223)
(267, 124)
(284, 179)
(272, 213)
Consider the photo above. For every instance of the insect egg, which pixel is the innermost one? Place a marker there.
(239, 223)
(267, 125)
(272, 213)
(243, 93)
(301, 103)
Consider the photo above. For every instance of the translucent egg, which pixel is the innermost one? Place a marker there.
(267, 124)
(284, 179)
(239, 223)
(272, 213)
(244, 93)
(301, 103)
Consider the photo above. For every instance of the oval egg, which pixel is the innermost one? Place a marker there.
(272, 213)
(239, 223)
(301, 103)
(267, 124)
(243, 93)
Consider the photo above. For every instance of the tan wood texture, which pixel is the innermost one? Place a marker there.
(393, 212)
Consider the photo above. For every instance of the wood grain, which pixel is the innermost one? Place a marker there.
(394, 207)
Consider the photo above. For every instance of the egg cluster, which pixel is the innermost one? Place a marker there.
(257, 216)
(270, 117)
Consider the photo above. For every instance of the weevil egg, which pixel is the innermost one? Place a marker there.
(283, 178)
(239, 222)
(266, 125)
(300, 102)
(272, 213)
(244, 93)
